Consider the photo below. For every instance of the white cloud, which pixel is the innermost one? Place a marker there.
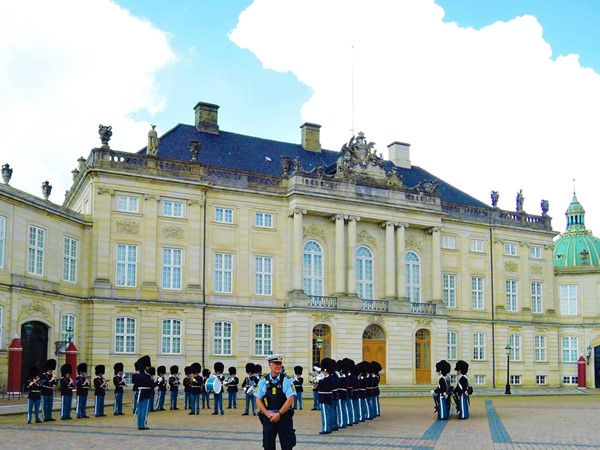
(65, 67)
(483, 109)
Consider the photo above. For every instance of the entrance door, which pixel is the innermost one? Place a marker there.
(597, 366)
(423, 356)
(34, 339)
(374, 348)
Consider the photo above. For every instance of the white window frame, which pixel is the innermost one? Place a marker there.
(172, 271)
(479, 379)
(171, 336)
(569, 349)
(569, 379)
(36, 244)
(515, 379)
(413, 277)
(477, 292)
(449, 288)
(512, 297)
(452, 345)
(478, 346)
(2, 239)
(568, 299)
(70, 253)
(68, 321)
(224, 215)
(540, 380)
(263, 220)
(515, 347)
(365, 283)
(172, 208)
(537, 297)
(540, 350)
(535, 252)
(125, 335)
(313, 277)
(449, 242)
(477, 245)
(263, 339)
(126, 266)
(222, 338)
(263, 275)
(128, 203)
(510, 249)
(223, 282)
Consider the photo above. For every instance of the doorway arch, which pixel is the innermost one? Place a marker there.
(374, 347)
(34, 339)
(423, 356)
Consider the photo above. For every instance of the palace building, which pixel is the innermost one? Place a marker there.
(209, 246)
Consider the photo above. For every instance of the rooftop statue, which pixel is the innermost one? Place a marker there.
(105, 133)
(153, 141)
(361, 152)
(520, 201)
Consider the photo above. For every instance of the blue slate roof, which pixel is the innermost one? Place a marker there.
(262, 156)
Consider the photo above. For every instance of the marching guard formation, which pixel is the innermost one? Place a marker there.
(444, 392)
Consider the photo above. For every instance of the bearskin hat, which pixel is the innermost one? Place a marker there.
(145, 362)
(151, 371)
(174, 370)
(118, 367)
(66, 369)
(81, 368)
(100, 369)
(463, 366)
(51, 364)
(376, 367)
(161, 370)
(349, 364)
(187, 370)
(258, 368)
(298, 370)
(219, 367)
(34, 371)
(363, 368)
(250, 368)
(195, 368)
(443, 367)
(232, 371)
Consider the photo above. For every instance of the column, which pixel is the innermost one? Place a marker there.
(298, 243)
(524, 289)
(436, 264)
(351, 289)
(401, 260)
(340, 256)
(102, 244)
(390, 260)
(148, 253)
(195, 240)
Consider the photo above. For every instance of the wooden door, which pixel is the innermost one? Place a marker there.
(374, 350)
(423, 356)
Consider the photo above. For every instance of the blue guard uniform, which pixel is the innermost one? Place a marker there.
(145, 385)
(161, 387)
(232, 388)
(66, 386)
(82, 384)
(119, 383)
(298, 382)
(462, 390)
(173, 387)
(48, 382)
(275, 400)
(441, 394)
(34, 387)
(249, 386)
(99, 391)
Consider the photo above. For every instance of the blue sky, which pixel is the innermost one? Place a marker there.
(491, 95)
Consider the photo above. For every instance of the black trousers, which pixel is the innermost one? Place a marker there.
(284, 428)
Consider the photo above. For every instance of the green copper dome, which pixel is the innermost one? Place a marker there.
(576, 246)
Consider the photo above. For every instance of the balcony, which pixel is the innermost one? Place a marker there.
(422, 308)
(375, 305)
(322, 302)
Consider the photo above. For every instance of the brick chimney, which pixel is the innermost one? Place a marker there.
(311, 137)
(399, 154)
(207, 117)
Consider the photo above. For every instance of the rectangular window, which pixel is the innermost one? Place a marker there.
(172, 209)
(452, 345)
(568, 300)
(450, 290)
(510, 249)
(479, 379)
(2, 239)
(127, 203)
(222, 338)
(570, 380)
(223, 215)
(511, 295)
(67, 328)
(540, 379)
(515, 379)
(515, 343)
(535, 252)
(126, 265)
(570, 349)
(536, 297)
(477, 245)
(124, 335)
(36, 245)
(171, 336)
(70, 260)
(452, 378)
(171, 268)
(477, 293)
(263, 339)
(479, 346)
(449, 242)
(264, 275)
(264, 220)
(223, 272)
(540, 348)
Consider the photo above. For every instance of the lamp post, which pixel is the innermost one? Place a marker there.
(319, 346)
(60, 345)
(508, 349)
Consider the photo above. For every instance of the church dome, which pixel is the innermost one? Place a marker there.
(576, 247)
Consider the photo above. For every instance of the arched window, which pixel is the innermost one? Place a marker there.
(364, 273)
(313, 268)
(413, 277)
(171, 336)
(321, 343)
(373, 332)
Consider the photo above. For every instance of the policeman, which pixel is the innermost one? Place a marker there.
(275, 396)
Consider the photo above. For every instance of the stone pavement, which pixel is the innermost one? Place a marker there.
(567, 421)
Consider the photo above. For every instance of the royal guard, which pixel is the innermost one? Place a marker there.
(119, 383)
(100, 386)
(161, 384)
(66, 386)
(463, 391)
(298, 382)
(145, 385)
(442, 393)
(218, 396)
(196, 388)
(232, 383)
(83, 384)
(249, 387)
(48, 381)
(34, 387)
(173, 387)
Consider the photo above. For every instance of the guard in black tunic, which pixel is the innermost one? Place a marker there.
(66, 392)
(48, 382)
(275, 397)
